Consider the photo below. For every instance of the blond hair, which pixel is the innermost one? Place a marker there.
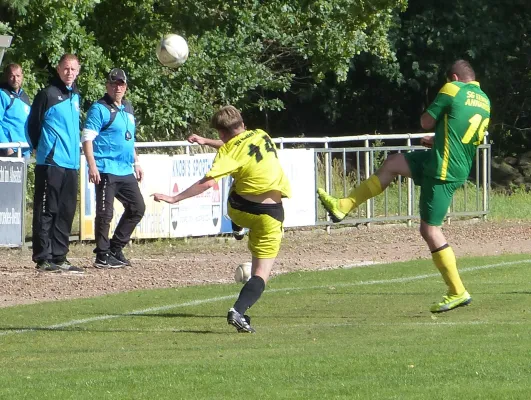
(68, 57)
(228, 119)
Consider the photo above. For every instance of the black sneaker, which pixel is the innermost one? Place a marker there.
(241, 323)
(106, 260)
(66, 266)
(238, 232)
(239, 235)
(47, 266)
(119, 255)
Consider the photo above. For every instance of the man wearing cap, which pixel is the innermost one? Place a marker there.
(108, 144)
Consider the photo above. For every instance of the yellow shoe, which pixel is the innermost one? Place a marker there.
(331, 204)
(451, 301)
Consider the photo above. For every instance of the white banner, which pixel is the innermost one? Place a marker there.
(199, 215)
(202, 214)
(156, 221)
(299, 167)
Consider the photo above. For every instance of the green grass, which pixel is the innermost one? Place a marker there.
(342, 334)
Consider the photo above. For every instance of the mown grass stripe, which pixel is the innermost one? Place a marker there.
(222, 298)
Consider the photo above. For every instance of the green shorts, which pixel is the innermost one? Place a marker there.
(435, 195)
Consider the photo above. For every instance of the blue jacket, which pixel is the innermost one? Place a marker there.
(53, 125)
(14, 111)
(112, 130)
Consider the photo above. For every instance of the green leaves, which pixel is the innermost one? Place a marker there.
(246, 52)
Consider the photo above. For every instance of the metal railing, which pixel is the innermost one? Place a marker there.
(351, 159)
(340, 169)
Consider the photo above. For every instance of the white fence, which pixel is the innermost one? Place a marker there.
(334, 163)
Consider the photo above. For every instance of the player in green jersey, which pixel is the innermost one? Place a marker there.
(460, 115)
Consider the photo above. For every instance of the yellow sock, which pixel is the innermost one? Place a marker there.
(367, 189)
(445, 262)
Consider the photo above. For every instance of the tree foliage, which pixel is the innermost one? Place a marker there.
(245, 52)
(300, 67)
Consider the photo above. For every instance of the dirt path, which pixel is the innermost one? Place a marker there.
(210, 260)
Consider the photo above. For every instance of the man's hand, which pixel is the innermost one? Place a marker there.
(139, 173)
(427, 141)
(94, 175)
(158, 197)
(196, 139)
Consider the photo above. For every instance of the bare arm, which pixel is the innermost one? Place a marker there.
(93, 173)
(197, 188)
(215, 143)
(139, 172)
(427, 122)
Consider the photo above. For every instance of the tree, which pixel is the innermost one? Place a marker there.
(245, 52)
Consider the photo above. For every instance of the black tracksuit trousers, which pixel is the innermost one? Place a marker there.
(54, 207)
(125, 189)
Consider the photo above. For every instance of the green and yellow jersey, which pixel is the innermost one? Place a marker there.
(251, 159)
(462, 112)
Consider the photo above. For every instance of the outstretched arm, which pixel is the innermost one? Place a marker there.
(215, 143)
(197, 188)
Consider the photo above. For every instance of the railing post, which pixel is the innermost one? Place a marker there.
(410, 189)
(485, 183)
(368, 204)
(327, 177)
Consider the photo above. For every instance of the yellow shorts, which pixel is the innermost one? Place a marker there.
(265, 229)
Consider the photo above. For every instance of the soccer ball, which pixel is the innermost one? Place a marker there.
(243, 272)
(172, 50)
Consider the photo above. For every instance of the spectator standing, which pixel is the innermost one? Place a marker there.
(14, 110)
(53, 129)
(109, 147)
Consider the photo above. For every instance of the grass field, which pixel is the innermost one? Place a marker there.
(341, 334)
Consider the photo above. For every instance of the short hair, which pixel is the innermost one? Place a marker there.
(228, 118)
(463, 70)
(9, 67)
(68, 57)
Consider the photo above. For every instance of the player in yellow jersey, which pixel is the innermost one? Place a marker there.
(237, 231)
(255, 200)
(460, 115)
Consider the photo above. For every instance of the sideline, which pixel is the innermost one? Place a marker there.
(222, 298)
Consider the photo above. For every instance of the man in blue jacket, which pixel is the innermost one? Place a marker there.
(53, 129)
(109, 147)
(14, 110)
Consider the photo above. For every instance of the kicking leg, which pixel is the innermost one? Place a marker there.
(394, 165)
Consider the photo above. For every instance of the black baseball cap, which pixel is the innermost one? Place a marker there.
(117, 74)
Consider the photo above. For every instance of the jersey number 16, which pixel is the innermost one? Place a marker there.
(477, 124)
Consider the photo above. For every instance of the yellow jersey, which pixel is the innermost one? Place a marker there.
(251, 159)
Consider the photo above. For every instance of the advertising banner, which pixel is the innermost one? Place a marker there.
(199, 215)
(156, 223)
(12, 201)
(205, 214)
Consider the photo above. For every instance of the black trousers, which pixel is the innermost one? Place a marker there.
(125, 189)
(54, 207)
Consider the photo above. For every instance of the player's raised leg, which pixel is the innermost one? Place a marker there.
(338, 208)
